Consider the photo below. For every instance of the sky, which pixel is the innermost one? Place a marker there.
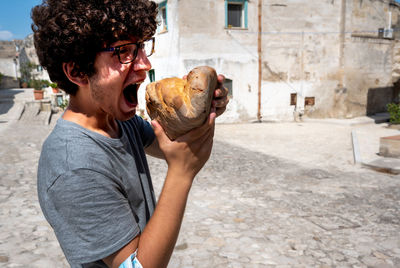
(15, 19)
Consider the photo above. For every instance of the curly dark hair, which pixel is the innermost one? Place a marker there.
(76, 30)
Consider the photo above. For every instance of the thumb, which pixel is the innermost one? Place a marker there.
(158, 130)
(212, 116)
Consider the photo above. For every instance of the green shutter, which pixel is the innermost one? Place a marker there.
(162, 5)
(152, 75)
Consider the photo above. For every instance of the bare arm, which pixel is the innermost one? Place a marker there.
(185, 157)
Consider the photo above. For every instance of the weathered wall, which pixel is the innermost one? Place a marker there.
(8, 65)
(300, 53)
(166, 59)
(28, 54)
(327, 49)
(366, 62)
(12, 54)
(205, 41)
(8, 54)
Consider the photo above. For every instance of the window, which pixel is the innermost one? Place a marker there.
(293, 99)
(162, 17)
(309, 101)
(236, 13)
(228, 85)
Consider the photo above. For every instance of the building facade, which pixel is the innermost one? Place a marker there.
(9, 64)
(13, 55)
(328, 58)
(28, 55)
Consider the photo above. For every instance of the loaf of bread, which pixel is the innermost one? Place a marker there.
(181, 105)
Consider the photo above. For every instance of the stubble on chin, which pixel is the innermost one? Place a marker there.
(100, 98)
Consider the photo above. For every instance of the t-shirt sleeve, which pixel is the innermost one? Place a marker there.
(93, 218)
(145, 130)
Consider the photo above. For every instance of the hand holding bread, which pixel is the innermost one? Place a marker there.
(180, 105)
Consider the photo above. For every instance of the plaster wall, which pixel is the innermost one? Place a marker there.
(28, 54)
(370, 15)
(8, 71)
(7, 67)
(308, 48)
(166, 59)
(206, 41)
(167, 54)
(300, 54)
(7, 55)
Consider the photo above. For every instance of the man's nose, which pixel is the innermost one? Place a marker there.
(141, 63)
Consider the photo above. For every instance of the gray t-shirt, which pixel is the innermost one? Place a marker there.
(96, 192)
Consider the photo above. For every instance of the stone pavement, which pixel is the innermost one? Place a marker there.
(271, 195)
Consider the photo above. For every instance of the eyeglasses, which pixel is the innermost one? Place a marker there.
(127, 53)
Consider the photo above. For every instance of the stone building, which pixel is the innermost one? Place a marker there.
(328, 58)
(9, 64)
(28, 54)
(14, 54)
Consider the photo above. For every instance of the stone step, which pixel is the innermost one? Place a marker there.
(10, 111)
(385, 165)
(390, 146)
(36, 112)
(19, 104)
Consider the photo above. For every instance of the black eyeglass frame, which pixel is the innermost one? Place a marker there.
(135, 52)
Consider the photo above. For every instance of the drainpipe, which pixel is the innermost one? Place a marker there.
(342, 40)
(259, 60)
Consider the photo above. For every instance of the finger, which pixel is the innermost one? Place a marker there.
(212, 116)
(219, 103)
(208, 124)
(206, 134)
(221, 78)
(204, 141)
(220, 92)
(207, 144)
(220, 111)
(159, 131)
(220, 82)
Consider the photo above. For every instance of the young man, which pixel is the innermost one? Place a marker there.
(94, 185)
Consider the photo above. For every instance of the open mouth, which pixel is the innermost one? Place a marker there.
(130, 93)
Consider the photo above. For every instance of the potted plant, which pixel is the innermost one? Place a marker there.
(38, 91)
(26, 69)
(54, 86)
(394, 112)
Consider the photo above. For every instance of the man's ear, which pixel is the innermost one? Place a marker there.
(73, 75)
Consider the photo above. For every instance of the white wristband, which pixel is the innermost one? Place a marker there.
(131, 262)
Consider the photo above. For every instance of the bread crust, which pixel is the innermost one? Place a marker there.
(180, 105)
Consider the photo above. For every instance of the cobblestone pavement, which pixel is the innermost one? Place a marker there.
(246, 209)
